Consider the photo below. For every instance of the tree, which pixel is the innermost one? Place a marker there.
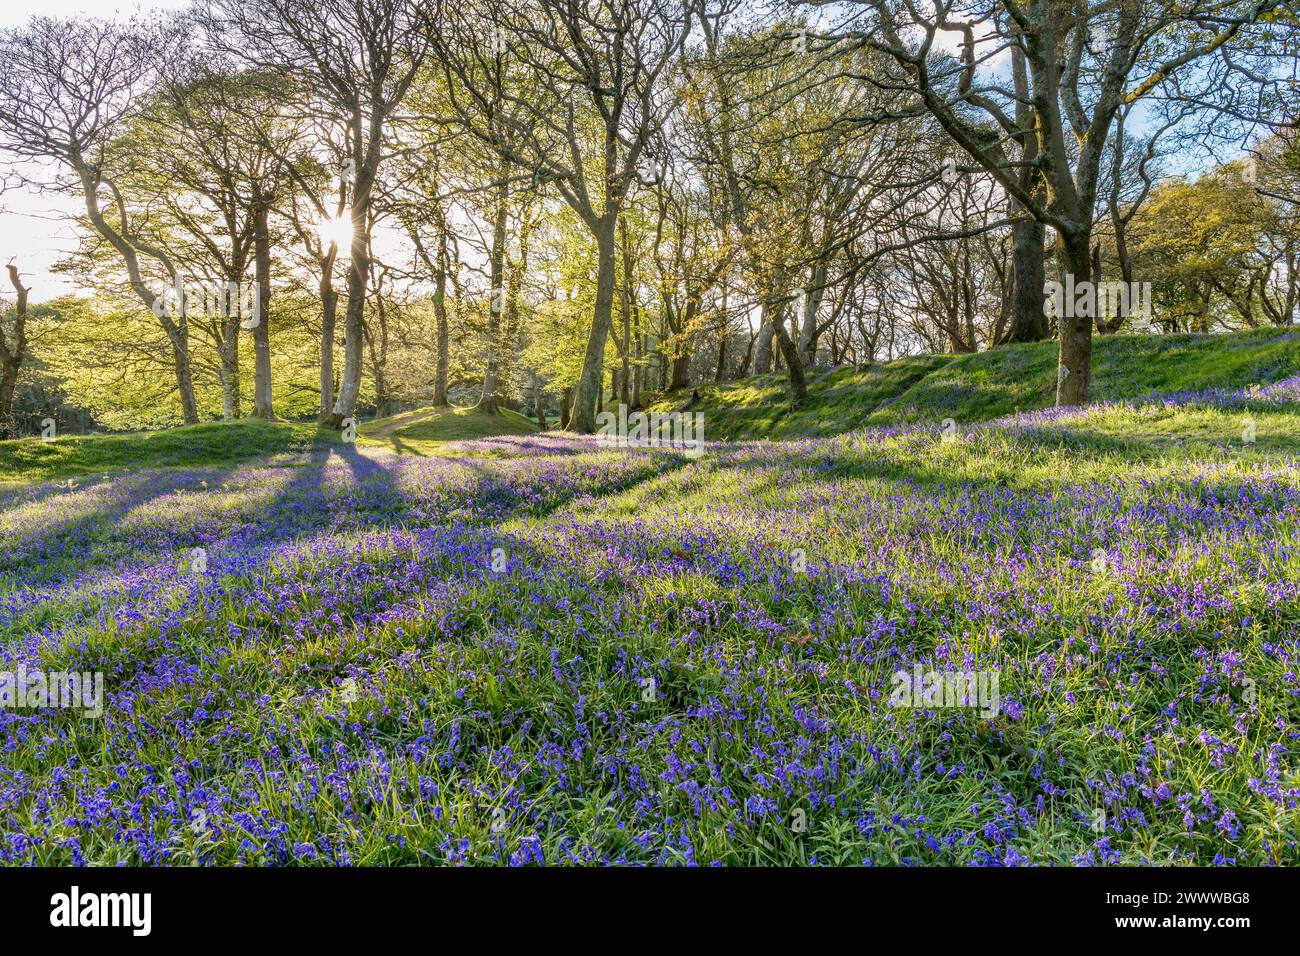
(1082, 63)
(579, 120)
(12, 355)
(67, 92)
(1196, 242)
(208, 170)
(356, 60)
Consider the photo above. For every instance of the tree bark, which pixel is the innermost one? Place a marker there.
(488, 400)
(262, 402)
(345, 406)
(798, 386)
(1028, 321)
(329, 301)
(638, 373)
(11, 359)
(808, 320)
(587, 394)
(681, 370)
(763, 344)
(443, 345)
(231, 393)
(1074, 375)
(1028, 318)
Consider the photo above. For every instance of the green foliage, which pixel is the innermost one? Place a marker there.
(1196, 241)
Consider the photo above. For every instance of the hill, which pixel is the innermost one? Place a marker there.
(985, 385)
(420, 430)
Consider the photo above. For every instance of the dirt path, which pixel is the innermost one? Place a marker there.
(383, 431)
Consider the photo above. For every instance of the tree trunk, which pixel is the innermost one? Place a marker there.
(488, 399)
(749, 356)
(8, 384)
(180, 342)
(345, 406)
(1028, 320)
(625, 382)
(681, 372)
(1074, 372)
(808, 321)
(798, 386)
(329, 302)
(381, 384)
(231, 397)
(638, 373)
(443, 345)
(763, 344)
(262, 404)
(228, 372)
(1028, 316)
(591, 380)
(538, 408)
(11, 358)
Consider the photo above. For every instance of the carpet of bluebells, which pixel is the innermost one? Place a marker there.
(536, 649)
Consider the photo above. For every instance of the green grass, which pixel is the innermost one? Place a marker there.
(966, 388)
(493, 712)
(423, 430)
(210, 443)
(972, 388)
(220, 444)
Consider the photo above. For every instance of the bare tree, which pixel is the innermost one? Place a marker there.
(1082, 63)
(587, 101)
(356, 59)
(68, 91)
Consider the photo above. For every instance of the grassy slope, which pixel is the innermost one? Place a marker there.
(971, 388)
(231, 443)
(421, 430)
(211, 443)
(967, 388)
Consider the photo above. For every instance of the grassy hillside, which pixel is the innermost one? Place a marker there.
(421, 430)
(972, 388)
(220, 444)
(967, 388)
